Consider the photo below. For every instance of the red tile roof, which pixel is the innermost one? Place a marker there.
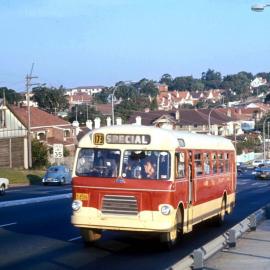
(38, 117)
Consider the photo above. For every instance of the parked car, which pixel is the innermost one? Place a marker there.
(257, 162)
(241, 167)
(59, 174)
(4, 182)
(263, 172)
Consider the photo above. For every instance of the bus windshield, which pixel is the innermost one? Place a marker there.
(98, 162)
(138, 164)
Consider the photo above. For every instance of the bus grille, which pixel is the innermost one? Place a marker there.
(119, 205)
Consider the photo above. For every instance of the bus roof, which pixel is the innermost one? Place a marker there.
(161, 139)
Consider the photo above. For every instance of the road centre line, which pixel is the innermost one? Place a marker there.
(75, 238)
(8, 224)
(35, 200)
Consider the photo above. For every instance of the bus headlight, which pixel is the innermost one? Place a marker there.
(165, 209)
(76, 205)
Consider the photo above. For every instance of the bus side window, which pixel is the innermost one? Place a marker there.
(221, 163)
(206, 163)
(214, 162)
(198, 164)
(180, 165)
(227, 164)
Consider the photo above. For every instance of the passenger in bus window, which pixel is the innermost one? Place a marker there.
(149, 169)
(206, 164)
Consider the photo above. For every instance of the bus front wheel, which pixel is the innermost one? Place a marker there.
(90, 235)
(170, 238)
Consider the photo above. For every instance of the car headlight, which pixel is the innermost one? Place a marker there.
(165, 210)
(76, 205)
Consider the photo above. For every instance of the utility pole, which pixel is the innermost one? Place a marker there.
(28, 84)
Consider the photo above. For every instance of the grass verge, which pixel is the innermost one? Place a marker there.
(19, 176)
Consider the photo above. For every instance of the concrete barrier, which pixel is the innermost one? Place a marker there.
(227, 240)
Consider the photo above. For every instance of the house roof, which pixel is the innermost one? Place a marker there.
(38, 117)
(105, 109)
(187, 117)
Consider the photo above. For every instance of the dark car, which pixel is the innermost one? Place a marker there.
(59, 174)
(241, 167)
(263, 172)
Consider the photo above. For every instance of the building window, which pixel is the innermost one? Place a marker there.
(2, 119)
(67, 133)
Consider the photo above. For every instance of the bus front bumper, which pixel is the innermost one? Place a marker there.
(145, 221)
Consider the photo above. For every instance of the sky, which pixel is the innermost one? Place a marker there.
(100, 42)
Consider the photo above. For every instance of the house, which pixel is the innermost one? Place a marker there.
(200, 121)
(79, 98)
(13, 139)
(89, 90)
(258, 81)
(46, 127)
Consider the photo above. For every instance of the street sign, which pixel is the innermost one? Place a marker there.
(58, 150)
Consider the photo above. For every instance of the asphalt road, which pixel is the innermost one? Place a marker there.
(40, 236)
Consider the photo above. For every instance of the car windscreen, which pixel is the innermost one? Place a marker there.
(98, 162)
(53, 169)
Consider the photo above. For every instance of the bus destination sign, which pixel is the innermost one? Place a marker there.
(128, 139)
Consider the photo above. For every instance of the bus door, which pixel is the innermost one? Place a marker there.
(184, 186)
(190, 172)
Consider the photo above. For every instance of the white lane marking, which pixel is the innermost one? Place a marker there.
(35, 200)
(75, 238)
(8, 224)
(262, 185)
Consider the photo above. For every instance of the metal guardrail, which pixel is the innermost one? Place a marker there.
(196, 259)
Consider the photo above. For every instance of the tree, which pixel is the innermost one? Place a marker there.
(102, 97)
(81, 111)
(238, 83)
(264, 75)
(11, 96)
(126, 92)
(267, 99)
(149, 89)
(211, 79)
(50, 99)
(167, 79)
(39, 154)
(182, 83)
(125, 109)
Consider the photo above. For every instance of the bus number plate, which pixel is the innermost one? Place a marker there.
(99, 139)
(82, 196)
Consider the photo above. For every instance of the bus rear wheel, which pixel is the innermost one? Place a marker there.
(219, 219)
(90, 235)
(169, 239)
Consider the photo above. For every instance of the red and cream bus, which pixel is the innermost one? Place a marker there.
(194, 179)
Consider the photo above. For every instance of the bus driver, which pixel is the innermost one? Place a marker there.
(149, 169)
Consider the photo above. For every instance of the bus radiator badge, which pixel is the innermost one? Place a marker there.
(120, 181)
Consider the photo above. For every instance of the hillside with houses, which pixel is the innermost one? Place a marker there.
(210, 105)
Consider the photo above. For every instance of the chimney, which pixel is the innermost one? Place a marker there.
(177, 115)
(109, 121)
(118, 121)
(138, 120)
(147, 110)
(89, 124)
(97, 122)
(229, 113)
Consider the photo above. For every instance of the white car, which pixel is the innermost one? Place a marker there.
(3, 185)
(257, 162)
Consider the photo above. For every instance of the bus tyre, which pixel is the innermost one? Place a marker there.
(90, 235)
(2, 189)
(170, 238)
(219, 219)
